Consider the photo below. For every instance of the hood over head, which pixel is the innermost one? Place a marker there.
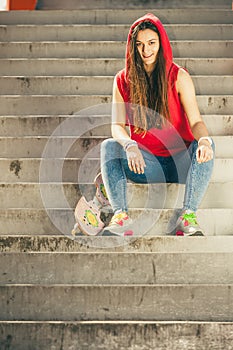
(153, 139)
(164, 40)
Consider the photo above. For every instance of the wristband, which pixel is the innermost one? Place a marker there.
(205, 138)
(128, 144)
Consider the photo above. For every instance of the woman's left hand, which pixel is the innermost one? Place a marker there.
(204, 153)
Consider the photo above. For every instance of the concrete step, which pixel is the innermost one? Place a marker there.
(39, 125)
(66, 195)
(115, 335)
(110, 49)
(105, 32)
(102, 67)
(116, 268)
(119, 16)
(66, 104)
(20, 243)
(76, 147)
(61, 221)
(49, 85)
(45, 125)
(28, 169)
(74, 104)
(111, 4)
(209, 302)
(34, 147)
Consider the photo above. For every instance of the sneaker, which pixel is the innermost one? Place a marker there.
(172, 223)
(120, 225)
(187, 225)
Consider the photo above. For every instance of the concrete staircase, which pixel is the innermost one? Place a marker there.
(155, 291)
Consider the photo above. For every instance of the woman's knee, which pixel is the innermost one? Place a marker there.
(110, 145)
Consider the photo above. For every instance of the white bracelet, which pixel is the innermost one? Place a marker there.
(205, 138)
(129, 143)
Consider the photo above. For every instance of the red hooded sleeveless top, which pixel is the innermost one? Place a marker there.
(173, 138)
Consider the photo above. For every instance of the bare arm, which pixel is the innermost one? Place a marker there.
(118, 128)
(187, 95)
(135, 159)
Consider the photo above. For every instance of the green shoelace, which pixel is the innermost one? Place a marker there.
(191, 218)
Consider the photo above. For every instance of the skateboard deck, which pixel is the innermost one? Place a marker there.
(88, 213)
(87, 217)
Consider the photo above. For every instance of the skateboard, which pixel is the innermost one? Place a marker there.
(88, 213)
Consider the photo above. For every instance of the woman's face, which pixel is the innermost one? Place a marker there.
(147, 43)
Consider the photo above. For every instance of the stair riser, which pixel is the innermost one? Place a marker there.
(27, 170)
(34, 147)
(115, 336)
(46, 125)
(118, 16)
(196, 268)
(78, 4)
(218, 125)
(110, 49)
(204, 85)
(44, 147)
(217, 222)
(162, 244)
(110, 32)
(29, 196)
(169, 302)
(103, 67)
(21, 105)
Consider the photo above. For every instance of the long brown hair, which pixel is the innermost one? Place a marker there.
(148, 94)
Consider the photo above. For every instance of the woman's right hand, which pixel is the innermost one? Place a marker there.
(135, 159)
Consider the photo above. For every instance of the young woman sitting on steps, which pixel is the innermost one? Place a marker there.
(168, 140)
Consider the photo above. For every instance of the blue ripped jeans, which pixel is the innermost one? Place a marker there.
(181, 168)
